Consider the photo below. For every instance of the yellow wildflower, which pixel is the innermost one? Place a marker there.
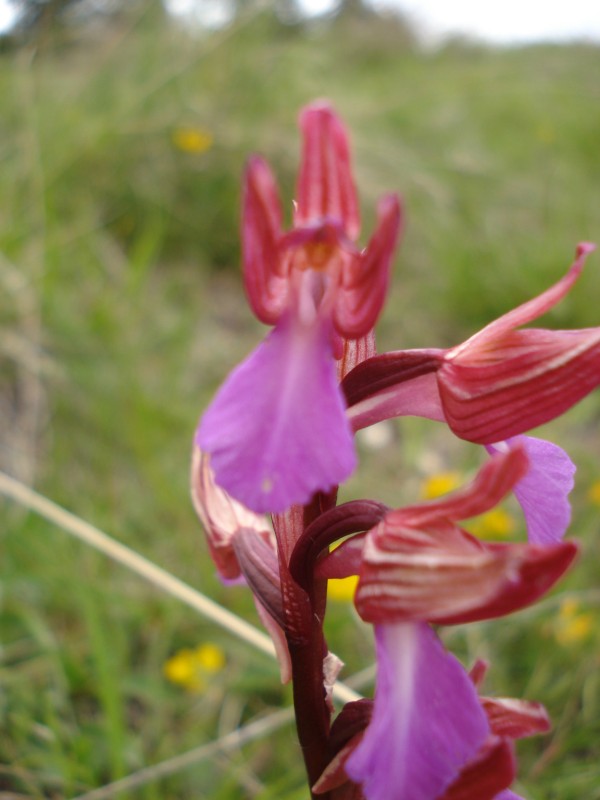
(572, 625)
(594, 493)
(546, 133)
(190, 668)
(342, 589)
(494, 524)
(442, 483)
(192, 140)
(210, 657)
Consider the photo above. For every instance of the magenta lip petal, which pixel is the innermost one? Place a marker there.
(277, 430)
(543, 492)
(427, 720)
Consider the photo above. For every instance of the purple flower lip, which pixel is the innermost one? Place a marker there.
(277, 430)
(427, 720)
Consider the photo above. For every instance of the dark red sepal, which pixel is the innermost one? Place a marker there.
(488, 774)
(515, 719)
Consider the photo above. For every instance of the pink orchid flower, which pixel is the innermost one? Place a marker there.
(491, 389)
(429, 734)
(277, 430)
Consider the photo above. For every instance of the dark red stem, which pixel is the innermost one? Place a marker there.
(306, 641)
(312, 713)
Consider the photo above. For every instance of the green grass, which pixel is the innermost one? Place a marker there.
(121, 309)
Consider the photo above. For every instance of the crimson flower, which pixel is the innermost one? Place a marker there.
(491, 389)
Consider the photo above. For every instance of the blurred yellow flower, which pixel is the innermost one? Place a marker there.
(594, 493)
(342, 590)
(546, 133)
(495, 524)
(192, 140)
(191, 667)
(442, 483)
(571, 624)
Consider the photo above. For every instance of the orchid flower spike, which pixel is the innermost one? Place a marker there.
(277, 430)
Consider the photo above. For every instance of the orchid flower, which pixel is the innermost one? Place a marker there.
(491, 389)
(428, 737)
(277, 430)
(418, 564)
(420, 679)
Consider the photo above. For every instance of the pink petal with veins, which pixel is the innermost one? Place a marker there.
(361, 295)
(266, 286)
(325, 183)
(502, 382)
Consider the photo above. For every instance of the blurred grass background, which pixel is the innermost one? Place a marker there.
(121, 310)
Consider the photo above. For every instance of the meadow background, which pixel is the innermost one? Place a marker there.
(121, 310)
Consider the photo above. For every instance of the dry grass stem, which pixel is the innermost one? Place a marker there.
(154, 574)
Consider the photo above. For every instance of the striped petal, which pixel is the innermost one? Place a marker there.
(418, 564)
(325, 183)
(222, 517)
(520, 381)
(266, 288)
(502, 382)
(361, 295)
